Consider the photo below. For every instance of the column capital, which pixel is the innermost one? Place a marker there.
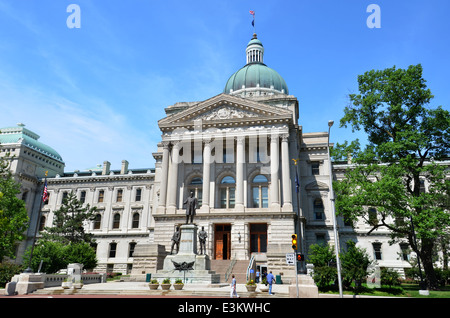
(284, 137)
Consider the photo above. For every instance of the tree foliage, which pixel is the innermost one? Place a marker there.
(13, 214)
(69, 221)
(406, 141)
(355, 263)
(57, 255)
(66, 241)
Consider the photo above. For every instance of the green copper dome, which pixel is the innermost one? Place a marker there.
(255, 75)
(19, 134)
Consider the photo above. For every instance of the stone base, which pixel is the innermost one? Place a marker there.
(200, 273)
(147, 258)
(306, 287)
(201, 264)
(28, 283)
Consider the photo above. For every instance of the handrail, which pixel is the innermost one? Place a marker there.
(250, 265)
(230, 268)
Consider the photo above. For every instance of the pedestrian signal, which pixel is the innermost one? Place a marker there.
(294, 241)
(300, 257)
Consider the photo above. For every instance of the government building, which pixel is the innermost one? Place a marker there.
(257, 175)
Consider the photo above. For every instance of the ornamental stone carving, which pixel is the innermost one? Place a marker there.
(225, 112)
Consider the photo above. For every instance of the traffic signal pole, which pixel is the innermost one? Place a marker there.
(294, 247)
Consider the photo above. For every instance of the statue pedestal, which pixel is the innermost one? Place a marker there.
(187, 265)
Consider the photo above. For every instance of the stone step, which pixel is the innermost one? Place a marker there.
(169, 293)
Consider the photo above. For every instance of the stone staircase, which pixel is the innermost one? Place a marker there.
(239, 270)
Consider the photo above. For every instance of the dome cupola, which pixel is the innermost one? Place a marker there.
(255, 78)
(254, 51)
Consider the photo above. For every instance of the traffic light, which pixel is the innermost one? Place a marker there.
(294, 241)
(300, 257)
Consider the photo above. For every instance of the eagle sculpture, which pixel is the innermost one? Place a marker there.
(184, 266)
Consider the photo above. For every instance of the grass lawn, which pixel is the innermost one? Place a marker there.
(405, 290)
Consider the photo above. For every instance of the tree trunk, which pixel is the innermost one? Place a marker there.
(426, 254)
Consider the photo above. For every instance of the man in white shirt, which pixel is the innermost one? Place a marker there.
(233, 287)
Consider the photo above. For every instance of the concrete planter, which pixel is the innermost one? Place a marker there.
(165, 286)
(251, 288)
(263, 288)
(66, 285)
(178, 286)
(153, 286)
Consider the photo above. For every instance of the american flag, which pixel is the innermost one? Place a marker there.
(45, 194)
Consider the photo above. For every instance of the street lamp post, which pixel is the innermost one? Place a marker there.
(333, 213)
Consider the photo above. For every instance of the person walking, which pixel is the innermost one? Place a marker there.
(270, 279)
(233, 287)
(257, 276)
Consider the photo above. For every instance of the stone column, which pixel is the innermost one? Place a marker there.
(287, 189)
(206, 175)
(164, 172)
(173, 177)
(240, 161)
(274, 165)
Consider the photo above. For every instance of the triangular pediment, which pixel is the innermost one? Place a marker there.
(226, 110)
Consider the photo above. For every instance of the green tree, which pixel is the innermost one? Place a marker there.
(69, 221)
(57, 255)
(321, 256)
(13, 214)
(406, 140)
(354, 265)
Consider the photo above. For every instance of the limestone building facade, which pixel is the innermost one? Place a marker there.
(257, 176)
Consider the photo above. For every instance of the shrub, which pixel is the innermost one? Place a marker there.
(7, 271)
(389, 277)
(324, 276)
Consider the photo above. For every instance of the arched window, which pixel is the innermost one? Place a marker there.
(318, 210)
(135, 223)
(260, 192)
(97, 222)
(196, 185)
(116, 221)
(227, 192)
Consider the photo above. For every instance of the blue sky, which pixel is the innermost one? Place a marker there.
(96, 93)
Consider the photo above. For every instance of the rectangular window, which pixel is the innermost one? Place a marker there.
(83, 196)
(64, 197)
(320, 239)
(138, 195)
(132, 245)
(119, 195)
(377, 251)
(112, 249)
(101, 195)
(315, 168)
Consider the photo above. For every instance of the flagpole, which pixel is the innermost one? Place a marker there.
(29, 269)
(253, 22)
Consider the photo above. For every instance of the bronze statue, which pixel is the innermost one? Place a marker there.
(176, 240)
(191, 205)
(202, 235)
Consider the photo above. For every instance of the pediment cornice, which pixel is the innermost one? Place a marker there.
(225, 110)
